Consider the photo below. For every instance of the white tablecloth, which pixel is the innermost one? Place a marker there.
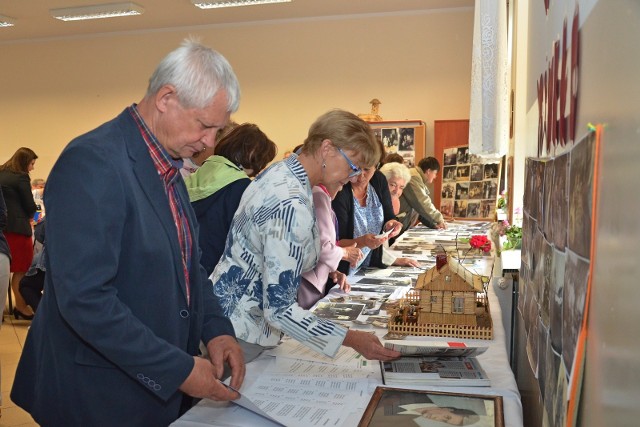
(494, 361)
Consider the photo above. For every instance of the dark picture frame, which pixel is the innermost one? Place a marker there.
(395, 407)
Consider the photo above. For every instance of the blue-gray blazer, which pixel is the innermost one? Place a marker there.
(114, 335)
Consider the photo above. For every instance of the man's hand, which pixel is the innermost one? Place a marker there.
(202, 382)
(225, 348)
(441, 226)
(369, 346)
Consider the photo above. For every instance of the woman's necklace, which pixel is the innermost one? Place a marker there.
(362, 198)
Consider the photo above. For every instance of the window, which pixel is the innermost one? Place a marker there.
(458, 305)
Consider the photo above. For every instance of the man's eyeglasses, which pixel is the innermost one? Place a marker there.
(355, 171)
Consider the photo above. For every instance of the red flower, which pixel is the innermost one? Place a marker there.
(480, 242)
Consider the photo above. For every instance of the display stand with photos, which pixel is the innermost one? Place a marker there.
(469, 187)
(405, 137)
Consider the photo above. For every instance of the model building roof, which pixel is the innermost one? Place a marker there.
(434, 278)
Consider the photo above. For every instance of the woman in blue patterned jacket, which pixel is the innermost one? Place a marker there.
(274, 238)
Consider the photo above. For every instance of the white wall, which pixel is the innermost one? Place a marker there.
(290, 72)
(609, 93)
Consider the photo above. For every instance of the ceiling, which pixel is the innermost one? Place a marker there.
(33, 21)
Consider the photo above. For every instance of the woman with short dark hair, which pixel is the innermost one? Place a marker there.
(215, 189)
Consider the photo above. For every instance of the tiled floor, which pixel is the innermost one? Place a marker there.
(12, 335)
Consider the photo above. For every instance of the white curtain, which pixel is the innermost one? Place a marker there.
(490, 81)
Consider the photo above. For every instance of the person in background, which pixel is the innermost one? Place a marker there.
(16, 188)
(317, 282)
(274, 238)
(290, 152)
(191, 164)
(393, 157)
(5, 270)
(416, 197)
(364, 211)
(32, 284)
(126, 302)
(397, 176)
(216, 187)
(37, 189)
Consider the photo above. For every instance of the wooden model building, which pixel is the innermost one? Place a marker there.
(451, 301)
(374, 116)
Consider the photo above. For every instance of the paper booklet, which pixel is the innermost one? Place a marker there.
(434, 348)
(435, 371)
(437, 363)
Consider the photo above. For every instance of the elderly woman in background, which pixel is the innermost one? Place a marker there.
(274, 238)
(397, 175)
(215, 189)
(16, 188)
(364, 211)
(316, 283)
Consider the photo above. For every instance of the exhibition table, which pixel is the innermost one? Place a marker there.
(495, 362)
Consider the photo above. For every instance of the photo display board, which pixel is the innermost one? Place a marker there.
(469, 187)
(556, 271)
(407, 138)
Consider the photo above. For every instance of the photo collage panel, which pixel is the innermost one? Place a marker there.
(399, 140)
(554, 273)
(469, 187)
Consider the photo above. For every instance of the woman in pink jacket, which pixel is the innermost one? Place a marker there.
(316, 283)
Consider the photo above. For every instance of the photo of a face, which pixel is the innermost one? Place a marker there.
(391, 407)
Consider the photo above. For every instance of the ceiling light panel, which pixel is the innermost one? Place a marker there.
(216, 4)
(100, 11)
(5, 21)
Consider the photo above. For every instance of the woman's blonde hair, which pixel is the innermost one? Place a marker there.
(347, 132)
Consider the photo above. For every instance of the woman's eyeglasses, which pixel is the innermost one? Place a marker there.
(355, 171)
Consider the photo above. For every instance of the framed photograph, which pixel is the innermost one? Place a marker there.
(394, 407)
